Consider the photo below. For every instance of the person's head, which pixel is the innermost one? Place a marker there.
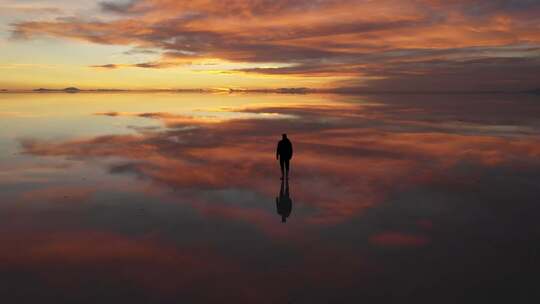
(284, 136)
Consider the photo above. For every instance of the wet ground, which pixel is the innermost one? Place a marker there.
(176, 198)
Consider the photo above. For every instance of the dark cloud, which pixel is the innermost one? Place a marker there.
(148, 65)
(155, 65)
(118, 7)
(481, 75)
(105, 66)
(141, 51)
(483, 7)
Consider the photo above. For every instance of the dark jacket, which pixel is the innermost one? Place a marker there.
(284, 149)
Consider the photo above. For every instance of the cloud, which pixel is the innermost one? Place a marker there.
(11, 10)
(139, 51)
(394, 41)
(146, 65)
(486, 74)
(105, 66)
(118, 7)
(157, 65)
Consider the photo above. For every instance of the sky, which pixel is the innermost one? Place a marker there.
(384, 45)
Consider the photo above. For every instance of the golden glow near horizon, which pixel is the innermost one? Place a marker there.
(74, 63)
(166, 44)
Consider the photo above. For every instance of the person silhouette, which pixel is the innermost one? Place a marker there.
(284, 202)
(284, 154)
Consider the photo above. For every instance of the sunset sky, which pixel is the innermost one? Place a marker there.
(386, 45)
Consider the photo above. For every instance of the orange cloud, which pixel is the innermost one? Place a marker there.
(387, 42)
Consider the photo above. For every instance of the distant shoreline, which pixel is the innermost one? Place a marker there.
(287, 91)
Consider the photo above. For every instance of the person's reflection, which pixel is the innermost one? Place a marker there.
(284, 202)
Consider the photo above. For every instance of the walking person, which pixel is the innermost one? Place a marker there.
(284, 154)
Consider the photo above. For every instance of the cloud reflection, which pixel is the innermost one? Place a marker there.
(351, 156)
(391, 194)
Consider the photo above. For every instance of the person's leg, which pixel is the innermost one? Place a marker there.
(281, 164)
(287, 164)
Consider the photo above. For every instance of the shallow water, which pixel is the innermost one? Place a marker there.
(171, 198)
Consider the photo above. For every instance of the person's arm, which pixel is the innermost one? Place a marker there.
(291, 150)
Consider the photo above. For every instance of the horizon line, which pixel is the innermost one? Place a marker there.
(292, 90)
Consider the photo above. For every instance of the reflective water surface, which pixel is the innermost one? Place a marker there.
(176, 198)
